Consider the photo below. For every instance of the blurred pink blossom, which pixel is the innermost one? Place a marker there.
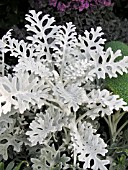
(52, 2)
(78, 4)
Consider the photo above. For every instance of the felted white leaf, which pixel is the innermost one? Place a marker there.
(50, 158)
(104, 64)
(5, 120)
(36, 67)
(65, 38)
(42, 30)
(88, 146)
(39, 26)
(10, 139)
(4, 40)
(21, 49)
(103, 103)
(91, 42)
(71, 95)
(20, 91)
(64, 45)
(15, 47)
(45, 124)
(77, 71)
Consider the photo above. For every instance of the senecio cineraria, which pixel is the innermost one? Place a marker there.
(58, 73)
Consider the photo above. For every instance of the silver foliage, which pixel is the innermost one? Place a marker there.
(55, 76)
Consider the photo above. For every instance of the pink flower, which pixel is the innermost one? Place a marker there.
(103, 2)
(84, 5)
(62, 6)
(78, 4)
(108, 3)
(52, 2)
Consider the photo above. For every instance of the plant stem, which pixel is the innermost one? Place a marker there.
(119, 130)
(81, 117)
(63, 63)
(112, 122)
(111, 127)
(106, 120)
(3, 64)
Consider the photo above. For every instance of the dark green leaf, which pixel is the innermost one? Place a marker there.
(118, 85)
(1, 166)
(10, 166)
(18, 167)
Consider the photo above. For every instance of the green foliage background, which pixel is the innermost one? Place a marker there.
(118, 85)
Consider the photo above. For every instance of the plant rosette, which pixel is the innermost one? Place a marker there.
(58, 72)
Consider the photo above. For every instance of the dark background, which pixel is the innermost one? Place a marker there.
(113, 20)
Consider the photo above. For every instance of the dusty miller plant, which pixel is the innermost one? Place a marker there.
(58, 72)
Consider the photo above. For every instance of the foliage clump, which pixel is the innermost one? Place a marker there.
(58, 73)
